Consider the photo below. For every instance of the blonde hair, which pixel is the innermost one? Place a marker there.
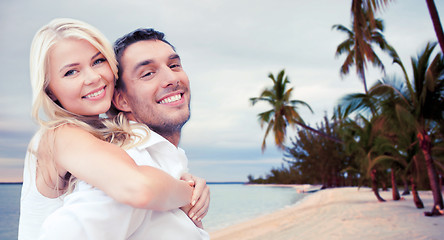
(116, 130)
(59, 29)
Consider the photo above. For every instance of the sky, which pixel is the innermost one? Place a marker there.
(228, 48)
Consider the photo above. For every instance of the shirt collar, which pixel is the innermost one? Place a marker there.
(153, 137)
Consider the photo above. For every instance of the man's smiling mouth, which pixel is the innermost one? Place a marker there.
(171, 99)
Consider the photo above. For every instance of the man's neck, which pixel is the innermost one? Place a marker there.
(172, 136)
(174, 140)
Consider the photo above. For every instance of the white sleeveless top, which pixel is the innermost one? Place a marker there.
(34, 207)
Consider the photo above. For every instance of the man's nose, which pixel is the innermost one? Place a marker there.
(169, 78)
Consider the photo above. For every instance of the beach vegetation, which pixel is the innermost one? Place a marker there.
(421, 108)
(391, 133)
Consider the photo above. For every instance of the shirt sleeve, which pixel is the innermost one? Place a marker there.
(89, 213)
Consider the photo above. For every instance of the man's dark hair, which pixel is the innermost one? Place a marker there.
(141, 34)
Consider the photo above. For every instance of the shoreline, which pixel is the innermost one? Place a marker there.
(341, 213)
(300, 188)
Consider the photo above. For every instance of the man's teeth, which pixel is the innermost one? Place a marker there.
(95, 94)
(171, 99)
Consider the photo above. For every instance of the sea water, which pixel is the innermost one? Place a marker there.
(234, 203)
(229, 204)
(9, 210)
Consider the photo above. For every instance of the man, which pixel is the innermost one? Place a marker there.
(152, 89)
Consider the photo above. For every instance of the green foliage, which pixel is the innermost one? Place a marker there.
(365, 32)
(312, 158)
(378, 131)
(283, 110)
(396, 127)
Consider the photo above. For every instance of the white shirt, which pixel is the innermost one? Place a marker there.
(34, 207)
(88, 213)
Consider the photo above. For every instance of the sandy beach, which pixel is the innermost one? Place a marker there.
(342, 213)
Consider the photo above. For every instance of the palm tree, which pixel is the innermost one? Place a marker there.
(436, 22)
(383, 151)
(358, 46)
(422, 105)
(406, 148)
(364, 141)
(363, 137)
(399, 151)
(284, 110)
(362, 11)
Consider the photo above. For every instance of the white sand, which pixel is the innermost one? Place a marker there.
(342, 213)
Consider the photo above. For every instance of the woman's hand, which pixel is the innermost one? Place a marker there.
(200, 201)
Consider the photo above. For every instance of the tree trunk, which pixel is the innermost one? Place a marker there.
(436, 22)
(426, 146)
(375, 185)
(406, 187)
(441, 180)
(416, 199)
(335, 179)
(358, 28)
(324, 182)
(384, 186)
(395, 192)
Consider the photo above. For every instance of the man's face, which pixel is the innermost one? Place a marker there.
(157, 88)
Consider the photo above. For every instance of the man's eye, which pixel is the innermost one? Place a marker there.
(175, 65)
(147, 74)
(69, 73)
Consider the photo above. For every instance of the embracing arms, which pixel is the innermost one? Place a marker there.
(111, 169)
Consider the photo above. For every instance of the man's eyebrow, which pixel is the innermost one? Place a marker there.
(174, 56)
(141, 64)
(149, 61)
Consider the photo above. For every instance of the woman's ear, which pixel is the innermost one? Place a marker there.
(120, 102)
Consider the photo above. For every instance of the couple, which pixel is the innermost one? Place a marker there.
(78, 182)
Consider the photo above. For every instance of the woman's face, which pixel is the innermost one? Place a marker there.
(80, 77)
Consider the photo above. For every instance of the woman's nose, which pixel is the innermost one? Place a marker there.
(91, 76)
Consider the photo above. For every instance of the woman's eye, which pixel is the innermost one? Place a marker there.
(99, 60)
(69, 73)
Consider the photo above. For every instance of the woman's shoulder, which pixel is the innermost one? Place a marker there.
(64, 133)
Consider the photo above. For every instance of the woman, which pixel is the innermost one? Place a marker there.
(73, 72)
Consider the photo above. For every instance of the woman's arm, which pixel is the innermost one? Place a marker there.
(109, 168)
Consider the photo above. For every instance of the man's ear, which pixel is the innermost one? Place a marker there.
(120, 102)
